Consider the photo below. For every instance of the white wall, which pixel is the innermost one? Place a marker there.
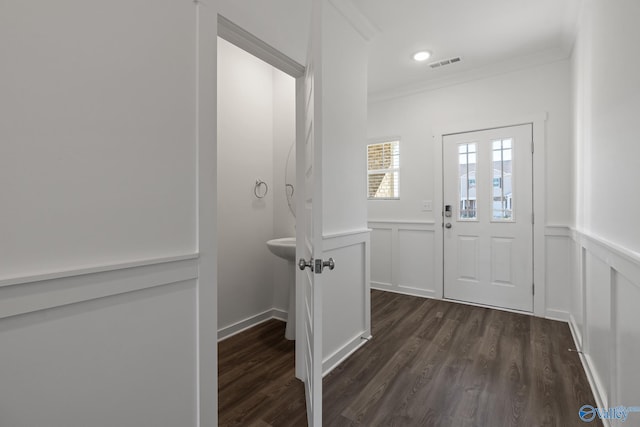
(607, 107)
(344, 125)
(404, 234)
(415, 119)
(99, 148)
(344, 227)
(605, 243)
(256, 126)
(98, 268)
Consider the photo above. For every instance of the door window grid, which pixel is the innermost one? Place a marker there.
(502, 185)
(467, 158)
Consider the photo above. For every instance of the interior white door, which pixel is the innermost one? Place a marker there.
(309, 237)
(488, 217)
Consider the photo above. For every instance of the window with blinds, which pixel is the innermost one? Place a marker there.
(383, 170)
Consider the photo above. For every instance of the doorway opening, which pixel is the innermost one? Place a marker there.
(257, 121)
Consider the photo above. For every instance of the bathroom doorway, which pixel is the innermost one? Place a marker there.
(256, 191)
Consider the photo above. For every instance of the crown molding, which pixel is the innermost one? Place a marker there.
(508, 66)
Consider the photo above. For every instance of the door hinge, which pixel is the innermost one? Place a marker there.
(533, 218)
(532, 146)
(533, 289)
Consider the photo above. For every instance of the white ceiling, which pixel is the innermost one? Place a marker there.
(490, 36)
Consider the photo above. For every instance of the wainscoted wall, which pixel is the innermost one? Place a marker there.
(402, 257)
(593, 285)
(346, 296)
(605, 319)
(104, 346)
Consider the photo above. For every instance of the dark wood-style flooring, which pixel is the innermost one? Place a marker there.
(430, 363)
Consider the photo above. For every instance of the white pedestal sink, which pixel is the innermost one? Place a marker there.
(285, 248)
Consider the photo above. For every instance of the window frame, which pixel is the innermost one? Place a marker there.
(395, 170)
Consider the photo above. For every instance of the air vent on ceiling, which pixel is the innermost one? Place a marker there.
(438, 64)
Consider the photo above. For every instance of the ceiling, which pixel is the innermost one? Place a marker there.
(490, 36)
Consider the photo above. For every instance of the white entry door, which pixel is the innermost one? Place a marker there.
(309, 224)
(488, 217)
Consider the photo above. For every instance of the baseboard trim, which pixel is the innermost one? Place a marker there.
(586, 365)
(250, 322)
(342, 354)
(414, 292)
(560, 315)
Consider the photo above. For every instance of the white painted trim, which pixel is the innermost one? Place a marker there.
(246, 41)
(597, 387)
(622, 260)
(575, 332)
(346, 234)
(28, 297)
(479, 125)
(382, 222)
(93, 269)
(342, 354)
(250, 322)
(382, 139)
(395, 227)
(595, 390)
(538, 124)
(332, 242)
(509, 66)
(560, 315)
(206, 53)
(558, 231)
(404, 290)
(356, 19)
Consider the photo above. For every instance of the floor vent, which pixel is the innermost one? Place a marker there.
(444, 62)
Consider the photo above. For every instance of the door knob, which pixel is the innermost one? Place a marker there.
(329, 263)
(302, 264)
(320, 265)
(448, 225)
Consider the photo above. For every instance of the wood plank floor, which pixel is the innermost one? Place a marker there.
(430, 363)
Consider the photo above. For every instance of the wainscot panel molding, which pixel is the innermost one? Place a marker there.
(28, 294)
(557, 272)
(604, 318)
(402, 257)
(346, 296)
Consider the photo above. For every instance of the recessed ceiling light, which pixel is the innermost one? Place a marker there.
(422, 55)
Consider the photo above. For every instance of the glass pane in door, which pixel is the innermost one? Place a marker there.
(502, 184)
(467, 154)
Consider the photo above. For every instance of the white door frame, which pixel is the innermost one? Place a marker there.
(209, 26)
(538, 122)
(246, 41)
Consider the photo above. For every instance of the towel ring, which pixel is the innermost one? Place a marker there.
(257, 189)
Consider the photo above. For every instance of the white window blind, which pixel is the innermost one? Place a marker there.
(383, 170)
